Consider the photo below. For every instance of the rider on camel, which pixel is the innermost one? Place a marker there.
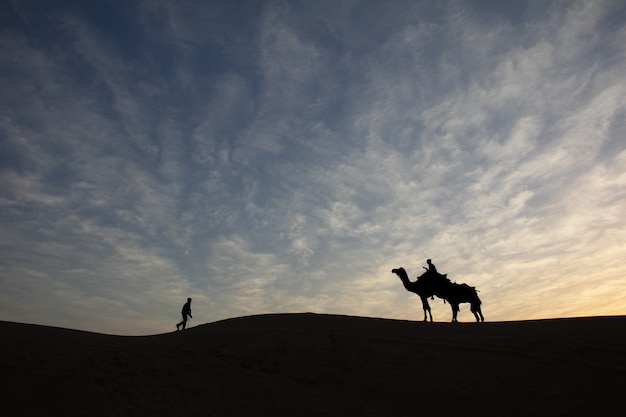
(431, 267)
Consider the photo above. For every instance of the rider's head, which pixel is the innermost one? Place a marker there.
(188, 299)
(428, 261)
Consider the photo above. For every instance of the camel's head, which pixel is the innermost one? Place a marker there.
(400, 272)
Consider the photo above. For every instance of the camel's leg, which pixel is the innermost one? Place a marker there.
(426, 308)
(455, 310)
(476, 310)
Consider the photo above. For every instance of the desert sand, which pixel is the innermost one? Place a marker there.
(319, 365)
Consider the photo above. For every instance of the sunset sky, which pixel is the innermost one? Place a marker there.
(284, 156)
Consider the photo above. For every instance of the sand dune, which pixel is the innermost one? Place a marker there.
(319, 365)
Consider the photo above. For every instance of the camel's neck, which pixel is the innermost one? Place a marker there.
(407, 283)
(410, 286)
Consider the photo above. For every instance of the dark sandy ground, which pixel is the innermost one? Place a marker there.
(320, 365)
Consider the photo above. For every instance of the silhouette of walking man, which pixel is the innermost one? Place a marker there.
(185, 312)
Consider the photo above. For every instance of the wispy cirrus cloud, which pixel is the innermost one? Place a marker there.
(288, 162)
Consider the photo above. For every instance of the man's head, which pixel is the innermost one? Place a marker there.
(428, 261)
(189, 299)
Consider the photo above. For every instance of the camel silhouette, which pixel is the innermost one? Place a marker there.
(430, 284)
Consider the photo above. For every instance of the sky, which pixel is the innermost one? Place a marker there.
(284, 156)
